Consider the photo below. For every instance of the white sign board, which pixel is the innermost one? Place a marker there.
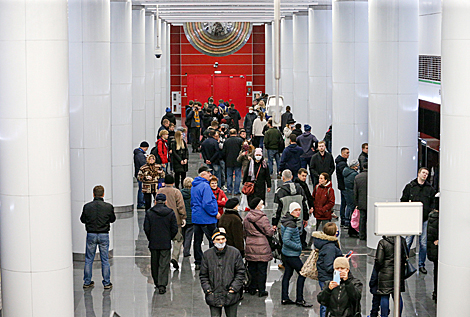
(393, 219)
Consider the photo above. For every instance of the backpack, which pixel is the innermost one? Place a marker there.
(154, 151)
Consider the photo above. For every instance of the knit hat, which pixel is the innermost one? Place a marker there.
(353, 163)
(232, 203)
(169, 179)
(160, 197)
(254, 202)
(144, 144)
(259, 151)
(168, 109)
(307, 127)
(341, 262)
(293, 206)
(218, 232)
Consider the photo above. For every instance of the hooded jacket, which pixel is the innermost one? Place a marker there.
(291, 245)
(97, 215)
(341, 163)
(235, 116)
(286, 194)
(290, 158)
(248, 123)
(162, 148)
(297, 132)
(324, 201)
(139, 160)
(174, 201)
(170, 116)
(433, 235)
(328, 250)
(160, 227)
(384, 263)
(307, 141)
(425, 193)
(186, 192)
(349, 175)
(203, 203)
(257, 246)
(232, 222)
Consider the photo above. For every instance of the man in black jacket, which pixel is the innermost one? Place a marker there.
(211, 154)
(321, 162)
(235, 116)
(286, 116)
(160, 227)
(341, 162)
(364, 156)
(97, 216)
(421, 190)
(302, 181)
(360, 200)
(230, 152)
(139, 161)
(249, 119)
(222, 274)
(169, 115)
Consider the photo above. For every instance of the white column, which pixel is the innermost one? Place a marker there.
(287, 65)
(158, 76)
(164, 97)
(319, 68)
(138, 76)
(300, 67)
(149, 76)
(393, 102)
(454, 260)
(168, 65)
(268, 57)
(121, 104)
(90, 107)
(350, 75)
(35, 160)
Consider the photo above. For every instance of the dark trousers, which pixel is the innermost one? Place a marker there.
(314, 180)
(148, 200)
(291, 264)
(374, 312)
(342, 209)
(435, 276)
(160, 266)
(258, 274)
(195, 137)
(199, 232)
(363, 224)
(188, 238)
(179, 176)
(230, 311)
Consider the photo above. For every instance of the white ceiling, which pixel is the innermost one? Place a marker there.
(179, 11)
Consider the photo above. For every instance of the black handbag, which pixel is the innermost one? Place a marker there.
(274, 243)
(409, 268)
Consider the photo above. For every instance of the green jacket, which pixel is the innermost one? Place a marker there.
(272, 138)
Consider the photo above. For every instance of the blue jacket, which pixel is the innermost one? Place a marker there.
(203, 202)
(307, 141)
(328, 251)
(290, 158)
(291, 245)
(349, 175)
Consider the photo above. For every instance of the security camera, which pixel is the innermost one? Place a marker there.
(158, 53)
(216, 64)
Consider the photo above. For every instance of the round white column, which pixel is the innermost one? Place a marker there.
(168, 65)
(319, 68)
(350, 75)
(287, 65)
(164, 97)
(454, 260)
(149, 76)
(268, 58)
(300, 67)
(158, 76)
(138, 76)
(35, 212)
(393, 102)
(121, 104)
(90, 108)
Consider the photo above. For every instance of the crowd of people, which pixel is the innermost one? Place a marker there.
(236, 171)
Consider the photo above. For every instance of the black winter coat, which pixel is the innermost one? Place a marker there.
(170, 116)
(139, 160)
(290, 158)
(308, 194)
(233, 224)
(231, 150)
(211, 151)
(179, 155)
(222, 271)
(186, 192)
(328, 251)
(384, 263)
(286, 116)
(248, 124)
(433, 235)
(97, 215)
(363, 158)
(360, 190)
(297, 132)
(343, 300)
(425, 193)
(160, 227)
(262, 182)
(341, 163)
(322, 164)
(235, 116)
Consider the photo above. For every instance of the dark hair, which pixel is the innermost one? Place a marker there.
(293, 138)
(330, 229)
(212, 133)
(326, 176)
(98, 191)
(364, 145)
(302, 170)
(344, 149)
(423, 168)
(191, 102)
(288, 108)
(169, 179)
(298, 126)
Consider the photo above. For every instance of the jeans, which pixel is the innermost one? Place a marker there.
(188, 238)
(222, 173)
(199, 232)
(140, 196)
(342, 209)
(291, 264)
(423, 238)
(230, 311)
(322, 308)
(273, 154)
(238, 179)
(258, 274)
(160, 266)
(102, 241)
(384, 305)
(350, 206)
(376, 299)
(258, 141)
(217, 172)
(304, 161)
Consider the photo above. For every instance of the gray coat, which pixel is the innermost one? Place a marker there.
(360, 190)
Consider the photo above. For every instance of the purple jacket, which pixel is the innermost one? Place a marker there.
(257, 247)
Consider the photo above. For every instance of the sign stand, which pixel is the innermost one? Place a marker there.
(388, 222)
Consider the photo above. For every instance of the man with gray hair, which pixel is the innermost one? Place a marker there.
(349, 174)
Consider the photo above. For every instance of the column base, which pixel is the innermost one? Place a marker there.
(80, 257)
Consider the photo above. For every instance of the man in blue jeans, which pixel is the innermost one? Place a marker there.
(97, 217)
(272, 139)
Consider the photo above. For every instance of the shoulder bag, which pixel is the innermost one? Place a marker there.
(249, 187)
(274, 243)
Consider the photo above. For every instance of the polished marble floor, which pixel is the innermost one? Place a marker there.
(133, 292)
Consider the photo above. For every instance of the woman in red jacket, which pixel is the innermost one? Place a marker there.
(162, 148)
(219, 195)
(324, 200)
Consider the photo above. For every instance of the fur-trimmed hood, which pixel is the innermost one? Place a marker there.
(321, 235)
(320, 239)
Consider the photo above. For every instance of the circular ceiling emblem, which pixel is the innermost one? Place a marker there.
(217, 38)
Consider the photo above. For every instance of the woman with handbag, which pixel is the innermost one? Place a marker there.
(384, 263)
(323, 200)
(256, 178)
(258, 253)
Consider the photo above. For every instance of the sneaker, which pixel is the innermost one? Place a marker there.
(109, 286)
(92, 284)
(175, 264)
(198, 267)
(423, 270)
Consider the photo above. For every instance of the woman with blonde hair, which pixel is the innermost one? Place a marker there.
(179, 157)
